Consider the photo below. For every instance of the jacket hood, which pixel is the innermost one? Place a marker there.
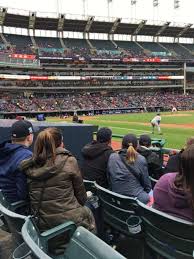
(11, 155)
(94, 149)
(37, 172)
(7, 149)
(179, 198)
(144, 151)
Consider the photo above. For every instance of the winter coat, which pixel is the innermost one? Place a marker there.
(12, 181)
(125, 182)
(94, 167)
(153, 160)
(57, 192)
(169, 199)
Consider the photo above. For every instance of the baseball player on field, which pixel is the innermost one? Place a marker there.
(155, 122)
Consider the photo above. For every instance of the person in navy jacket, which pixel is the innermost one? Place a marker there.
(13, 181)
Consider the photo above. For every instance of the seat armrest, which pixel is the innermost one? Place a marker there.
(19, 204)
(68, 226)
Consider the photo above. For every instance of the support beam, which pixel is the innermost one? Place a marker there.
(61, 21)
(185, 77)
(185, 29)
(115, 25)
(32, 20)
(139, 27)
(162, 29)
(3, 12)
(89, 24)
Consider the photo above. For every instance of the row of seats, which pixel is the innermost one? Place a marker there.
(164, 235)
(139, 49)
(158, 234)
(30, 242)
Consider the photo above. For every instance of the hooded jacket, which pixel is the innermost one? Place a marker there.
(169, 199)
(12, 180)
(57, 192)
(94, 167)
(124, 181)
(154, 163)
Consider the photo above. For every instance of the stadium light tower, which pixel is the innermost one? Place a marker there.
(176, 4)
(109, 2)
(133, 2)
(155, 3)
(155, 11)
(133, 8)
(84, 7)
(58, 6)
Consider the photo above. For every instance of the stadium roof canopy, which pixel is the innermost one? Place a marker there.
(97, 26)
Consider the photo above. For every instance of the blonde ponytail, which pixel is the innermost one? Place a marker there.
(131, 155)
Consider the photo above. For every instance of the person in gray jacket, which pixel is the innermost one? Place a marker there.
(128, 171)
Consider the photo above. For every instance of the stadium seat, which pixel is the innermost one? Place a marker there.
(83, 244)
(14, 223)
(116, 209)
(13, 220)
(153, 181)
(167, 236)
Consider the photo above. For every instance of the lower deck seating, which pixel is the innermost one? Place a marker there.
(83, 244)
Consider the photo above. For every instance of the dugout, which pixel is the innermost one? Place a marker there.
(75, 136)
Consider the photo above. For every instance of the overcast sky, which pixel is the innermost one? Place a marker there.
(118, 8)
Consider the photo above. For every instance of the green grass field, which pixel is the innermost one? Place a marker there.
(131, 123)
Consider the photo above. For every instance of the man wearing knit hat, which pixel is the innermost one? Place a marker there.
(12, 181)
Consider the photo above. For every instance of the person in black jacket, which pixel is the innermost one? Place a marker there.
(153, 160)
(96, 155)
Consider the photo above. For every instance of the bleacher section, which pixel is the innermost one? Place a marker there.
(50, 46)
(190, 47)
(22, 44)
(46, 42)
(178, 50)
(75, 43)
(131, 47)
(102, 44)
(152, 46)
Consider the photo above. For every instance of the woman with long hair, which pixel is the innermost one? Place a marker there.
(56, 188)
(174, 192)
(128, 171)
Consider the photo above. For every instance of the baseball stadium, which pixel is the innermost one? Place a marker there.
(96, 129)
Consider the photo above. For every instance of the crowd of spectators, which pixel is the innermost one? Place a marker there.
(94, 101)
(81, 50)
(87, 83)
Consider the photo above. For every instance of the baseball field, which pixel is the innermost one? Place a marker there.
(176, 128)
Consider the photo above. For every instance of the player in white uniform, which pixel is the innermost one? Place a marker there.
(174, 109)
(155, 122)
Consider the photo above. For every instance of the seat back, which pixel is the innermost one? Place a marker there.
(90, 186)
(116, 208)
(85, 245)
(13, 219)
(153, 181)
(168, 236)
(33, 239)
